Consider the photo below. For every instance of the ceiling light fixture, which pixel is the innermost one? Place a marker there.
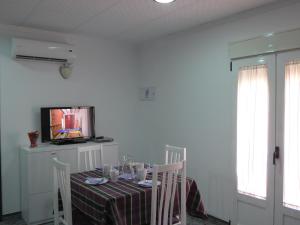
(164, 1)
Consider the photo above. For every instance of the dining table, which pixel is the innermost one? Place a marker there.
(124, 202)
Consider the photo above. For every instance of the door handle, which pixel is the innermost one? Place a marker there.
(276, 154)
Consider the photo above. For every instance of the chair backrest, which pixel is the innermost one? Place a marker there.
(90, 157)
(162, 211)
(61, 181)
(174, 154)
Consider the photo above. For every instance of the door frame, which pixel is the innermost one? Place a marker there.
(1, 199)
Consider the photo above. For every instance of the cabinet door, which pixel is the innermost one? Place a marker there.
(41, 207)
(111, 154)
(40, 174)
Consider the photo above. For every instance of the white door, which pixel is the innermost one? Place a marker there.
(255, 140)
(287, 185)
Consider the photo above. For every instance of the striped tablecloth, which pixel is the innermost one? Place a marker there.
(123, 202)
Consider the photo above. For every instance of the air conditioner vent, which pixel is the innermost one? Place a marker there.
(36, 58)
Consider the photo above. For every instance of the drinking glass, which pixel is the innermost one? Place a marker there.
(114, 175)
(141, 174)
(106, 170)
(122, 163)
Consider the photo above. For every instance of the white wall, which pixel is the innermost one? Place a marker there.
(104, 76)
(195, 98)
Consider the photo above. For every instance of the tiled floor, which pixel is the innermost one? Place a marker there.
(16, 220)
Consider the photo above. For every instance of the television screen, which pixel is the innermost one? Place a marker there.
(67, 123)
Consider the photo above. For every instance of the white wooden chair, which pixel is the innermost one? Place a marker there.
(174, 154)
(169, 183)
(90, 157)
(61, 181)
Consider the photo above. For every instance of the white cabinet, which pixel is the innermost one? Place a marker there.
(37, 176)
(40, 208)
(39, 166)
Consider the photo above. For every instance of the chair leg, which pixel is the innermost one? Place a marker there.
(56, 220)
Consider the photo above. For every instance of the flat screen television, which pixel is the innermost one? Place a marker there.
(67, 123)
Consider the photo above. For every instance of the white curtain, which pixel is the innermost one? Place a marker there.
(291, 177)
(252, 130)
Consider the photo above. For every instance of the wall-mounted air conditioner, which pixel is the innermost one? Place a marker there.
(25, 49)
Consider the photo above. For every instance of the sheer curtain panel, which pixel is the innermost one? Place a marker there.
(291, 176)
(252, 130)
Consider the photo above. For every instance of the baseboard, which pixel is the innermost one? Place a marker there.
(10, 214)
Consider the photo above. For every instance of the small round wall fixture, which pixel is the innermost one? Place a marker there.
(164, 1)
(65, 70)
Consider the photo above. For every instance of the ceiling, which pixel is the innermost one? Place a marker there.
(129, 20)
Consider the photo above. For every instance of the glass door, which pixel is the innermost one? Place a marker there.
(287, 196)
(255, 138)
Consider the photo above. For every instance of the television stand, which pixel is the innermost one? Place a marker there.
(68, 141)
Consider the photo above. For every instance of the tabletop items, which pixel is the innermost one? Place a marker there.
(106, 169)
(127, 176)
(125, 201)
(141, 173)
(96, 180)
(147, 183)
(137, 172)
(128, 171)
